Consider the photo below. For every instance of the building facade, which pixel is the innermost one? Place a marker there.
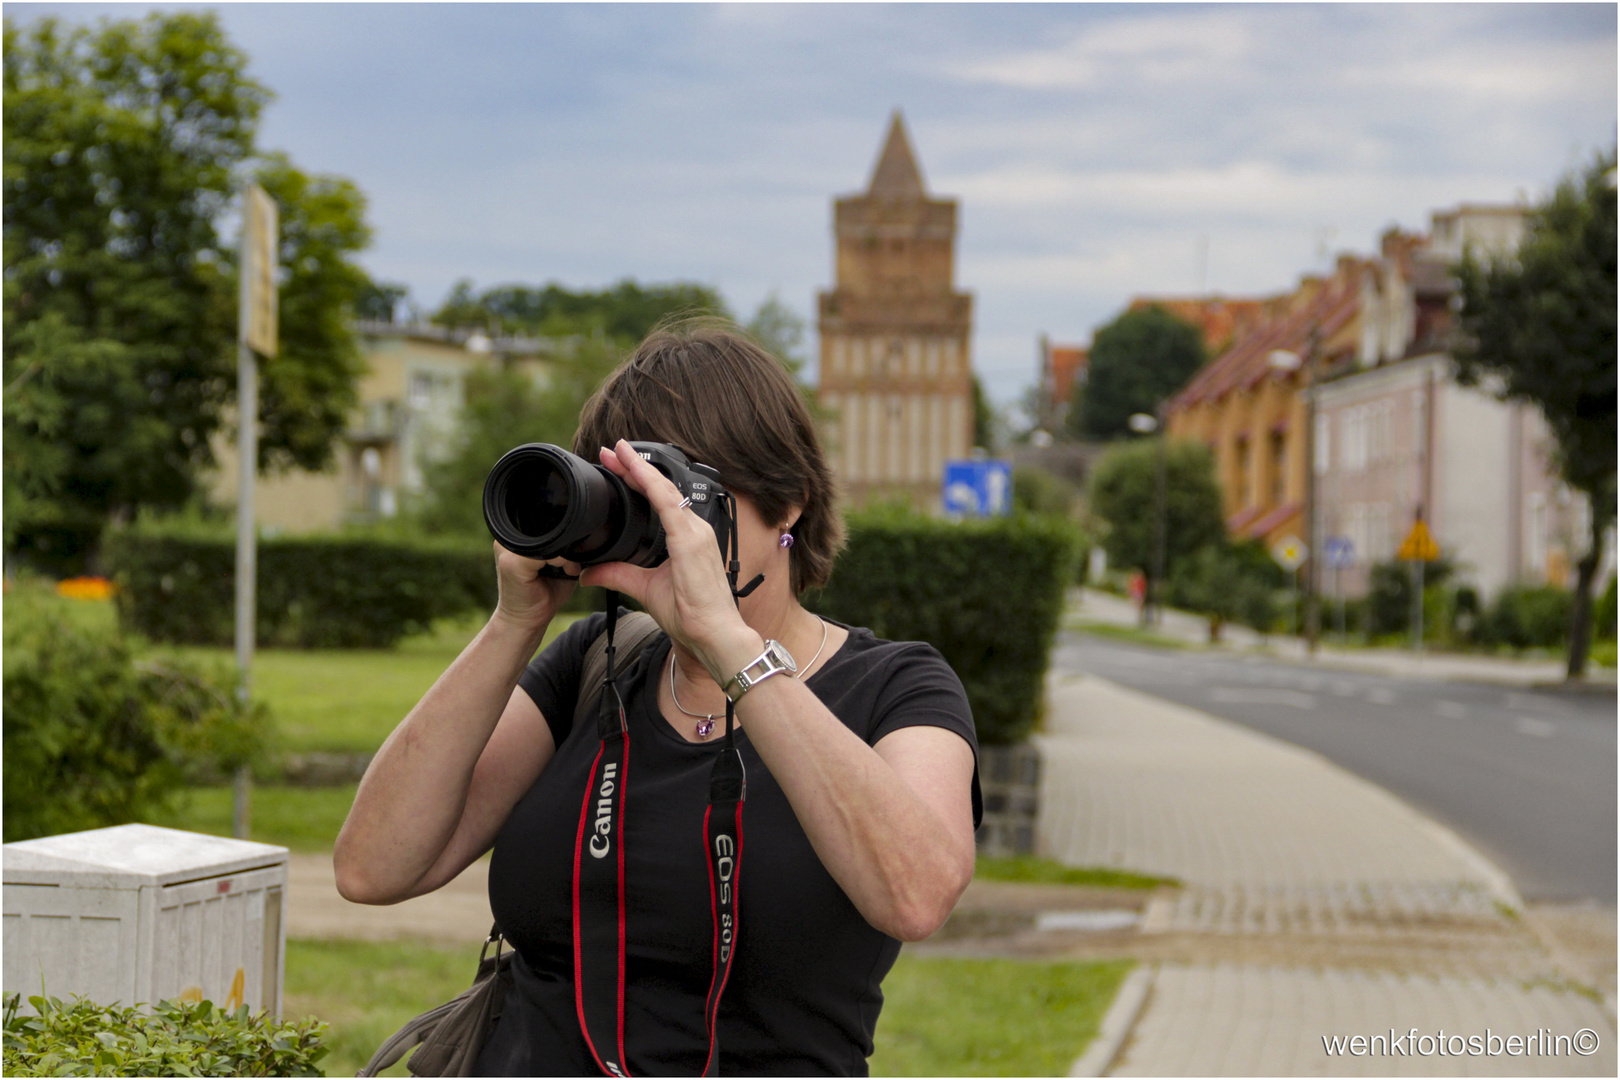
(1393, 436)
(410, 399)
(896, 368)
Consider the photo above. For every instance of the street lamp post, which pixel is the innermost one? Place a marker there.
(1285, 360)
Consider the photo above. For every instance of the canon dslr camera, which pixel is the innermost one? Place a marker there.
(542, 502)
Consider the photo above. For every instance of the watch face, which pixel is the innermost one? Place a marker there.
(782, 656)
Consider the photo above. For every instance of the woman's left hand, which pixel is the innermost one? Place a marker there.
(688, 594)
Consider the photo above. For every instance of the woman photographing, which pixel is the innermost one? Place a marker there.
(861, 794)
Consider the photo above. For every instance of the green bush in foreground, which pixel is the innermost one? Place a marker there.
(175, 1039)
(987, 594)
(94, 736)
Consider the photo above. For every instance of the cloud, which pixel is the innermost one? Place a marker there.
(1159, 49)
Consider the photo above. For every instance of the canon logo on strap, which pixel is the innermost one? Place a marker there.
(604, 811)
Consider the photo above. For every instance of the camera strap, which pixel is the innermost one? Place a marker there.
(598, 895)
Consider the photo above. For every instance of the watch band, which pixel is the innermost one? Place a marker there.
(773, 661)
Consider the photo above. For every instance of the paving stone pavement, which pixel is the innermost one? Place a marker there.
(1314, 904)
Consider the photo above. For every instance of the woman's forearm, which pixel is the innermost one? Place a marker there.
(413, 794)
(902, 859)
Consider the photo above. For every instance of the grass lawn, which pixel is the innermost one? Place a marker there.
(348, 700)
(1133, 634)
(941, 1017)
(366, 990)
(303, 819)
(343, 700)
(1050, 872)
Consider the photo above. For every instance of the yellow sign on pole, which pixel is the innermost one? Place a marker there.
(1419, 545)
(260, 232)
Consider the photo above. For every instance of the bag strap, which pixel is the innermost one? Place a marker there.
(599, 883)
(633, 633)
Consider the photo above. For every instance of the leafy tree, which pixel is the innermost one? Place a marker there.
(1122, 498)
(1229, 582)
(624, 313)
(120, 147)
(505, 408)
(1040, 491)
(1543, 323)
(781, 330)
(1136, 362)
(379, 301)
(123, 144)
(307, 390)
(984, 417)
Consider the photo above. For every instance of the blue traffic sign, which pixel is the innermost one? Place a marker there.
(1338, 552)
(978, 487)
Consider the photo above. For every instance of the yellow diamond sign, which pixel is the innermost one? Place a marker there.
(1290, 553)
(1419, 545)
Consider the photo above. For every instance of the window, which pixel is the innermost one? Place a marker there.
(1322, 452)
(421, 392)
(1279, 467)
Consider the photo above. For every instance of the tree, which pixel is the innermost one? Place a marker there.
(984, 417)
(1136, 362)
(1541, 324)
(781, 330)
(625, 313)
(123, 146)
(307, 390)
(505, 408)
(1121, 497)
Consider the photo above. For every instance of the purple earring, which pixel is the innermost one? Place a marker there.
(785, 540)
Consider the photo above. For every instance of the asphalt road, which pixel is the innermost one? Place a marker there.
(1527, 777)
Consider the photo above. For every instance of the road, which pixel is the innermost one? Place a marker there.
(1527, 777)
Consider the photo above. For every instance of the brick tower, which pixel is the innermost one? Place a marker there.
(895, 368)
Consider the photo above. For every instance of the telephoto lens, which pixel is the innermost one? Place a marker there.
(542, 502)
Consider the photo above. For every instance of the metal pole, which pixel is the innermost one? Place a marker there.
(1417, 606)
(1313, 542)
(1160, 513)
(247, 450)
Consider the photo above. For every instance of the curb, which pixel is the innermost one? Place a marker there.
(1116, 1023)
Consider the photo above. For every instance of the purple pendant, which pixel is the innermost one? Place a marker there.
(705, 727)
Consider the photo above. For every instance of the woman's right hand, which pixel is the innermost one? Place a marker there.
(529, 599)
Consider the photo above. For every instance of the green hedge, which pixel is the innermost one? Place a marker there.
(1529, 616)
(318, 591)
(175, 1039)
(987, 594)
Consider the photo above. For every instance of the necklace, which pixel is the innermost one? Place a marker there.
(705, 721)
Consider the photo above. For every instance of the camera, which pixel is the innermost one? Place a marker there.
(542, 502)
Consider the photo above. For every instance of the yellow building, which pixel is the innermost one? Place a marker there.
(895, 366)
(1247, 406)
(410, 399)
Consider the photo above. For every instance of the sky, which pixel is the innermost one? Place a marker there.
(1098, 152)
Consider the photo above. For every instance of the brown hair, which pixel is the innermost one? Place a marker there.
(703, 385)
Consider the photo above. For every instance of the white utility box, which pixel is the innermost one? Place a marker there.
(136, 914)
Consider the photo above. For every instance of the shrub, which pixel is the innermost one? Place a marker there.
(1529, 616)
(1122, 497)
(175, 1039)
(987, 594)
(1229, 583)
(316, 591)
(1040, 491)
(94, 737)
(1388, 606)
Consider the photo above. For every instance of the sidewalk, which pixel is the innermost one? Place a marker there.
(1092, 605)
(1314, 904)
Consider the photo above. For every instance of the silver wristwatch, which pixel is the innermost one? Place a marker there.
(773, 661)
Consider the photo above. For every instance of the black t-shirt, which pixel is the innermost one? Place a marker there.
(803, 996)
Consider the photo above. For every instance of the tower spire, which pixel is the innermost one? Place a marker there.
(896, 175)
